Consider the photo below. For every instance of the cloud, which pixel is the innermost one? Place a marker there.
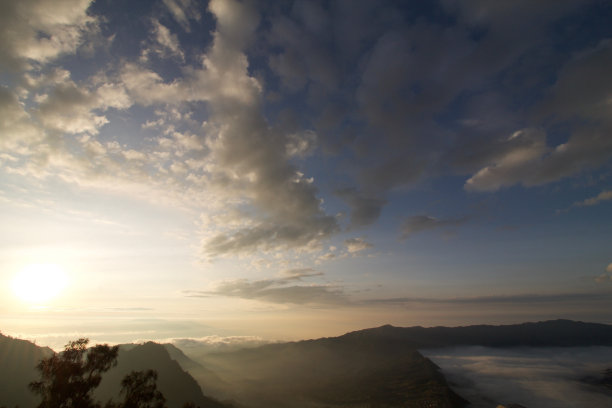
(391, 99)
(18, 131)
(603, 196)
(511, 164)
(40, 31)
(249, 152)
(216, 343)
(183, 11)
(532, 377)
(419, 223)
(278, 290)
(581, 93)
(271, 235)
(298, 274)
(354, 245)
(589, 98)
(603, 278)
(236, 157)
(606, 277)
(167, 42)
(365, 209)
(270, 291)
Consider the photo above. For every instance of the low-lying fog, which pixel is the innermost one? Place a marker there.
(533, 377)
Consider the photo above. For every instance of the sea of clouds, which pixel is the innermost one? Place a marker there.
(533, 377)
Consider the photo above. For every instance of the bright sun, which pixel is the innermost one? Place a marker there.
(39, 283)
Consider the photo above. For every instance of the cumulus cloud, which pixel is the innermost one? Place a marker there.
(39, 31)
(235, 157)
(419, 223)
(18, 131)
(167, 43)
(249, 152)
(393, 100)
(354, 245)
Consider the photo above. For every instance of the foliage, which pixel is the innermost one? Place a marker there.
(140, 390)
(69, 378)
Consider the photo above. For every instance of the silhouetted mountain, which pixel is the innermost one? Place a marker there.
(18, 360)
(176, 384)
(334, 372)
(377, 367)
(209, 381)
(552, 333)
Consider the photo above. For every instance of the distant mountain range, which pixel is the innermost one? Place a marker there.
(552, 333)
(379, 367)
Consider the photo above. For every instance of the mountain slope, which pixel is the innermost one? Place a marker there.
(18, 360)
(379, 366)
(176, 384)
(334, 373)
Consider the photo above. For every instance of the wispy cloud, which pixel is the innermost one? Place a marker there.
(599, 198)
(528, 298)
(419, 223)
(278, 290)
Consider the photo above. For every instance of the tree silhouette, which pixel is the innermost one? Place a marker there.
(69, 378)
(140, 390)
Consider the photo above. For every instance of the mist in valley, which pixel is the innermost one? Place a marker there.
(560, 377)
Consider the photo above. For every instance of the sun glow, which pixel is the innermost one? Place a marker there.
(39, 283)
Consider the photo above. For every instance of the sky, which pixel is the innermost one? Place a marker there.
(296, 169)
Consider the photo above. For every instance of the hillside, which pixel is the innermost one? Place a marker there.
(176, 384)
(18, 359)
(333, 373)
(378, 367)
